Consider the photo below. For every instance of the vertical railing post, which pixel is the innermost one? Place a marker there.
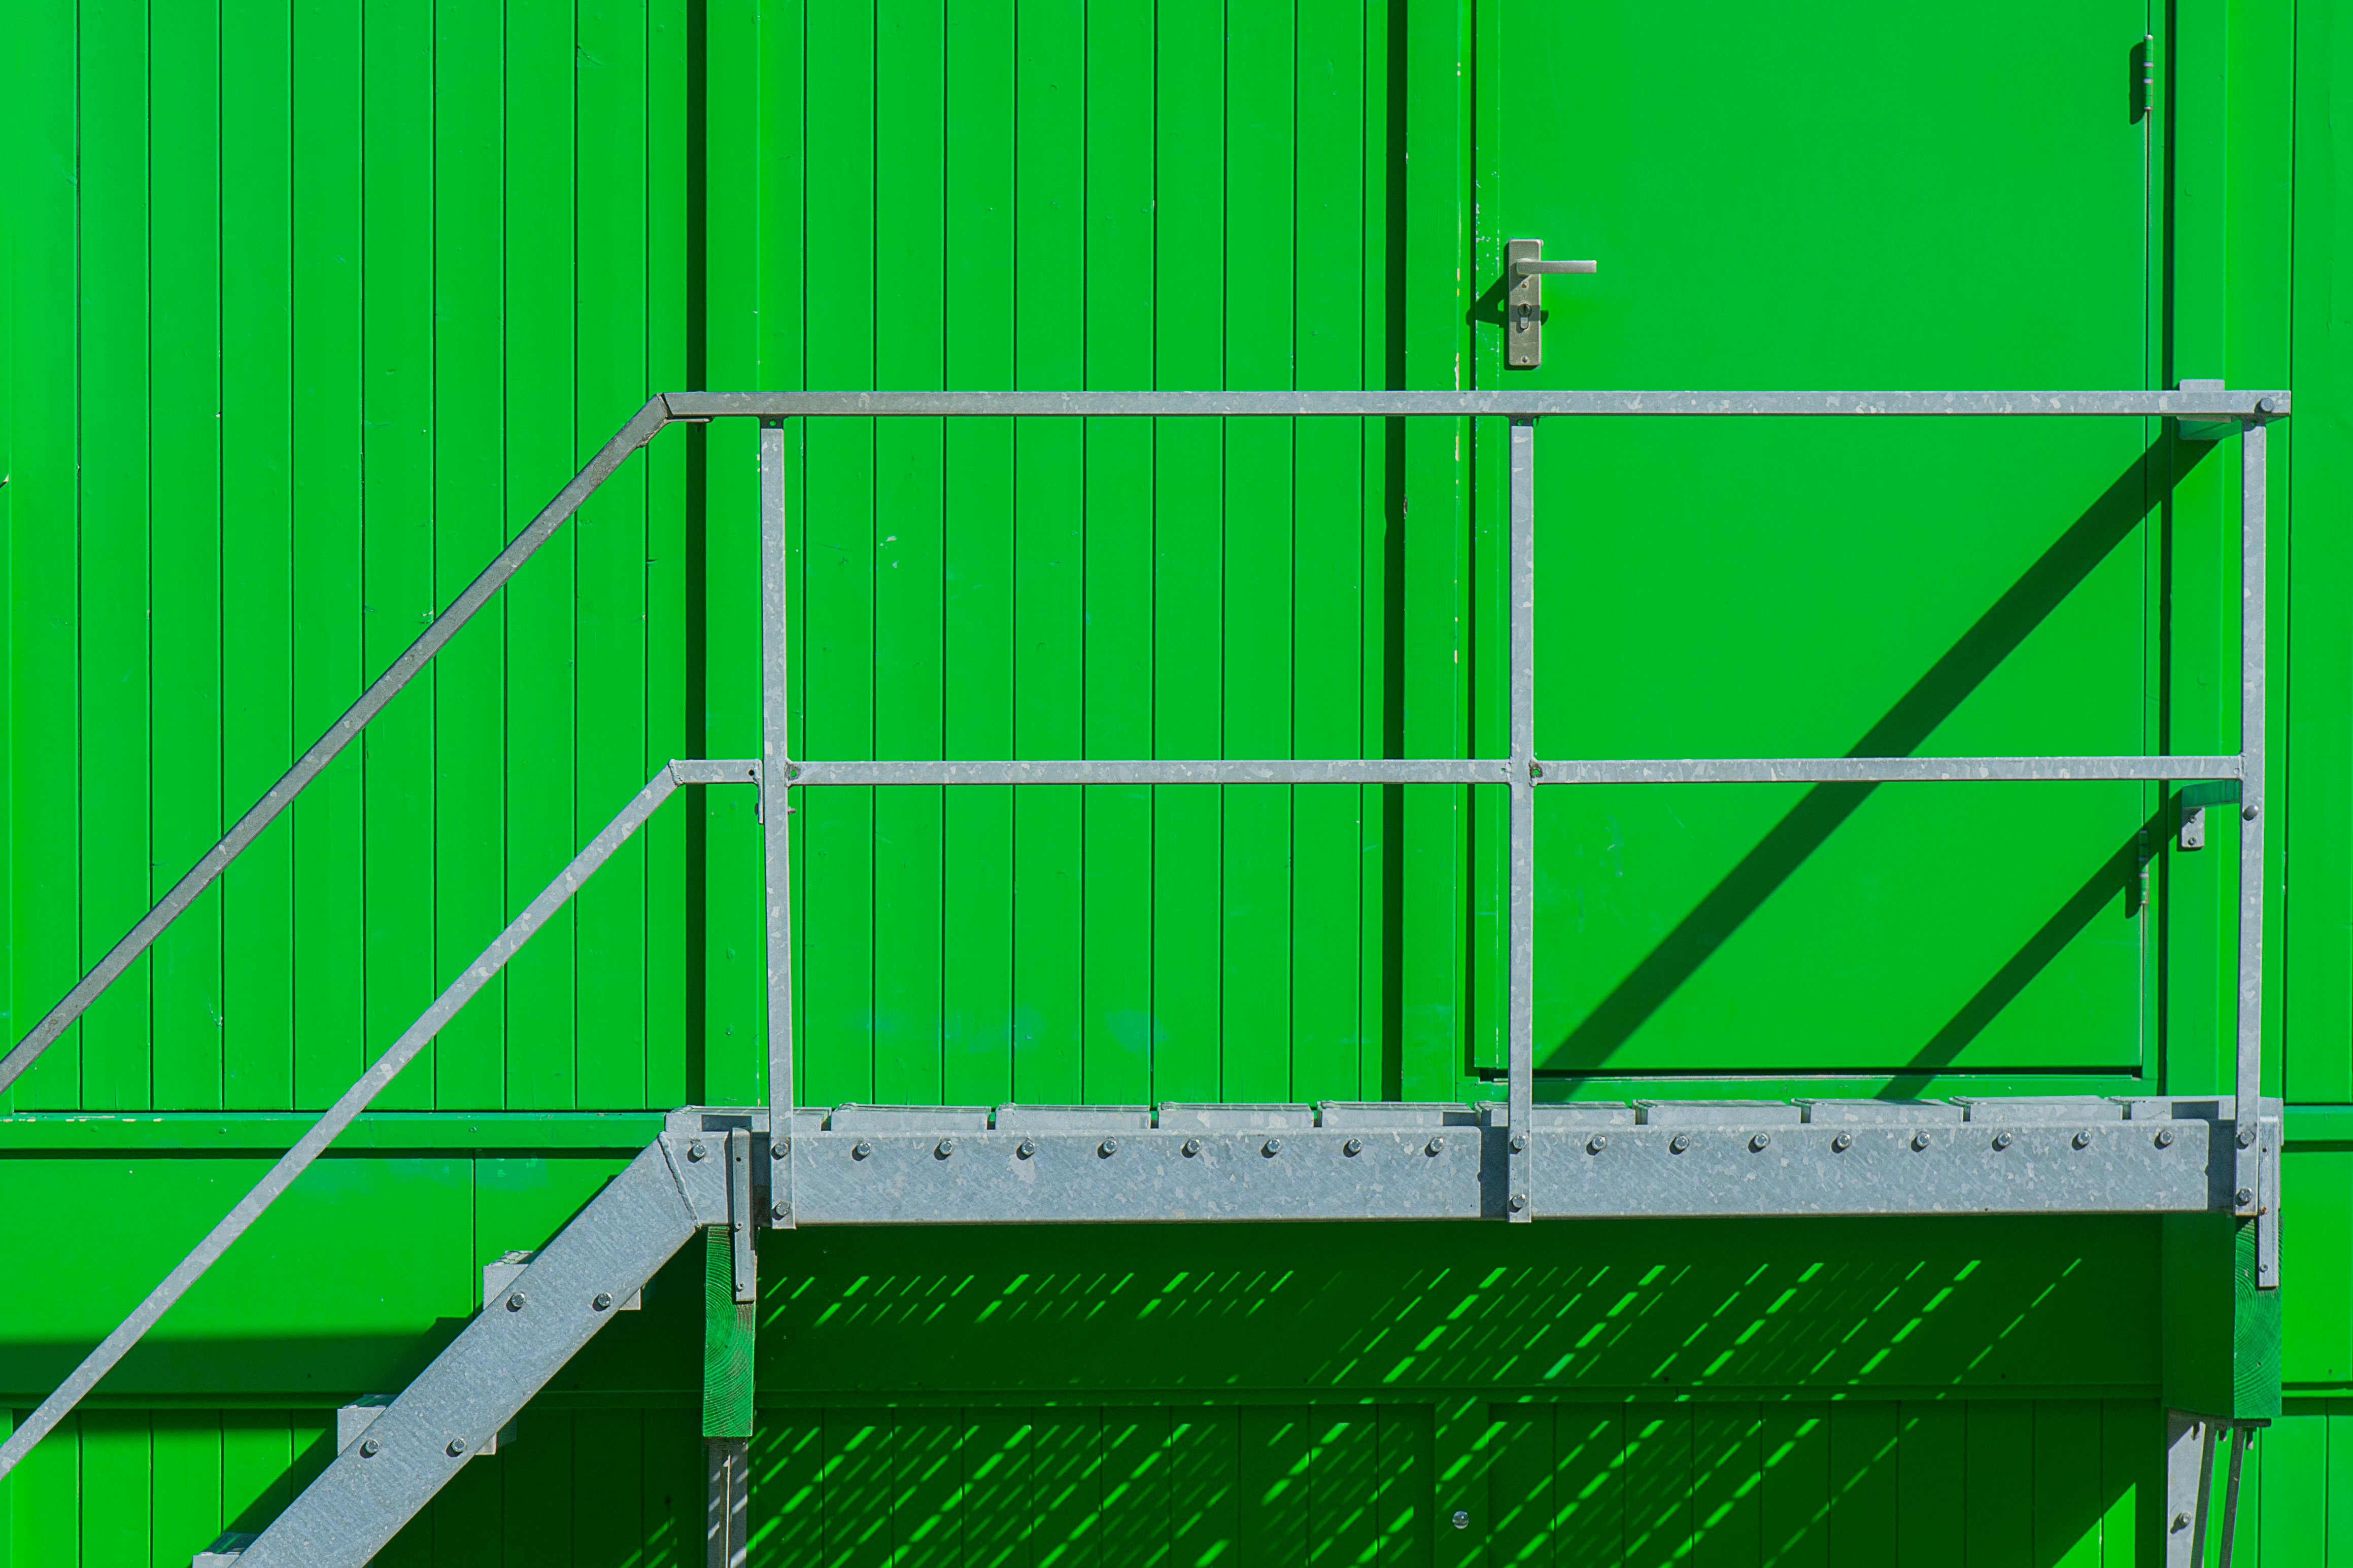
(1521, 917)
(775, 817)
(2247, 1075)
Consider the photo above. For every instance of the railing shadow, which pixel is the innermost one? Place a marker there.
(2107, 522)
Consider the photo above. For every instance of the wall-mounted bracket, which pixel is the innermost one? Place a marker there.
(1524, 274)
(2195, 799)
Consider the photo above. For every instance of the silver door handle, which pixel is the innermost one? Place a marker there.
(1524, 268)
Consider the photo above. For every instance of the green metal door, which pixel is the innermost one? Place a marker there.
(1874, 198)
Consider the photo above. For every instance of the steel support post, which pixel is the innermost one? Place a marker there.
(1521, 920)
(2247, 1075)
(727, 1530)
(2188, 1480)
(776, 816)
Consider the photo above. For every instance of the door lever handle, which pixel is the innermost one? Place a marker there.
(1524, 268)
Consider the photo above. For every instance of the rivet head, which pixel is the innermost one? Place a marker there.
(1192, 1147)
(1273, 1147)
(1519, 1201)
(1352, 1146)
(2245, 1196)
(2083, 1140)
(860, 1150)
(1027, 1147)
(780, 1210)
(2165, 1137)
(514, 1302)
(1110, 1146)
(2266, 406)
(780, 1148)
(1435, 1146)
(695, 1151)
(2248, 811)
(370, 1448)
(943, 1148)
(1679, 1142)
(604, 1301)
(1759, 1142)
(1462, 1518)
(1920, 1140)
(456, 1447)
(1519, 1143)
(1598, 1142)
(1843, 1143)
(2246, 1137)
(2181, 1522)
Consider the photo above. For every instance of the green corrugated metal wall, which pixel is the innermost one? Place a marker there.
(311, 304)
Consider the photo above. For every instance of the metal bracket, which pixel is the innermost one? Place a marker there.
(2205, 429)
(1524, 274)
(2195, 799)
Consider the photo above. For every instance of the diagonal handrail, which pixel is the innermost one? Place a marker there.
(640, 429)
(356, 1098)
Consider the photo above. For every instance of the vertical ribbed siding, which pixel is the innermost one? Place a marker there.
(356, 288)
(1129, 199)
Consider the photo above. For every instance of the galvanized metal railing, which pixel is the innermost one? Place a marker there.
(778, 774)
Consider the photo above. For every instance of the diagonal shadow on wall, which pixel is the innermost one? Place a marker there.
(2007, 622)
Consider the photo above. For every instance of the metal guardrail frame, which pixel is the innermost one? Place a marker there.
(2166, 1174)
(1522, 770)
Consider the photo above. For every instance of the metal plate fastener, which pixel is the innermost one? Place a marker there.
(1462, 1518)
(780, 1148)
(1027, 1147)
(370, 1448)
(456, 1447)
(2244, 1197)
(2246, 1137)
(860, 1150)
(603, 1302)
(1352, 1146)
(1843, 1143)
(943, 1148)
(1679, 1142)
(1192, 1147)
(780, 1209)
(1109, 1147)
(2165, 1137)
(1519, 1201)
(514, 1302)
(1273, 1147)
(1598, 1142)
(2083, 1140)
(1758, 1143)
(1519, 1143)
(1919, 1140)
(2001, 1139)
(1435, 1146)
(695, 1151)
